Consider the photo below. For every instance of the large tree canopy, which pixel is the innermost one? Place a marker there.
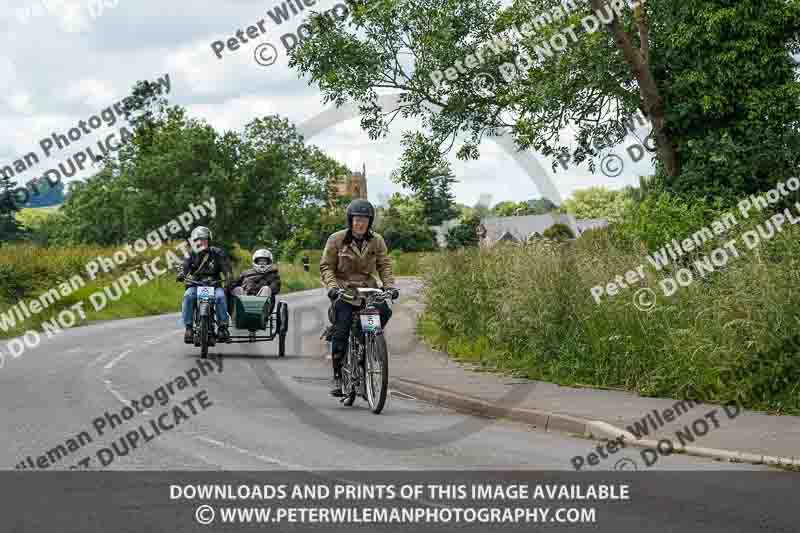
(715, 78)
(269, 187)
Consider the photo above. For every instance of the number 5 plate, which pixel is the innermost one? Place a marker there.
(371, 322)
(205, 294)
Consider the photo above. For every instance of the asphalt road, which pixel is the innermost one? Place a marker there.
(265, 412)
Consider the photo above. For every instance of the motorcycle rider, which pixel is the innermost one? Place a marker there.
(205, 263)
(352, 258)
(261, 280)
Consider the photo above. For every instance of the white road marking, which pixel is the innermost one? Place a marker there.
(102, 356)
(165, 335)
(270, 460)
(116, 359)
(113, 391)
(74, 350)
(120, 397)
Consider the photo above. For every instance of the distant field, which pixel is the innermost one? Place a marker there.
(33, 217)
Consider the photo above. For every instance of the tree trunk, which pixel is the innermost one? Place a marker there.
(652, 104)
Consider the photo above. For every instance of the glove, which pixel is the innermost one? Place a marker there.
(394, 292)
(333, 293)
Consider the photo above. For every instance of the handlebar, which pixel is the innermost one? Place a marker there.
(202, 283)
(378, 295)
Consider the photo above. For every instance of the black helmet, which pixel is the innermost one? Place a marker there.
(360, 208)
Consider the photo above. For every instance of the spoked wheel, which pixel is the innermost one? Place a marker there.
(204, 337)
(377, 372)
(348, 380)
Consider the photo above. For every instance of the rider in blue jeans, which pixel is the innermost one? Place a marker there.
(206, 263)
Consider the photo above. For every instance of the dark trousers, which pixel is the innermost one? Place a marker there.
(343, 319)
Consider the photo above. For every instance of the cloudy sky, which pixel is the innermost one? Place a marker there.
(61, 65)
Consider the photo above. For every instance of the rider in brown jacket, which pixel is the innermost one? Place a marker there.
(355, 257)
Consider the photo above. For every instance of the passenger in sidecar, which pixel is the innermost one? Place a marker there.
(261, 280)
(254, 304)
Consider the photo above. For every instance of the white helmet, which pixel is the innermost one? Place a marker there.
(198, 233)
(262, 253)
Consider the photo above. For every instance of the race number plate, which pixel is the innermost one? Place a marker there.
(370, 322)
(205, 294)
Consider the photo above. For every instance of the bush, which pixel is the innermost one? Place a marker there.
(658, 219)
(558, 232)
(465, 234)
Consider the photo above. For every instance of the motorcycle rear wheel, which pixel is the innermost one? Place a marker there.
(348, 379)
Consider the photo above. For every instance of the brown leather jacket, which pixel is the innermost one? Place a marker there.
(344, 266)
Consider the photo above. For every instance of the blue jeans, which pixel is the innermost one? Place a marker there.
(190, 296)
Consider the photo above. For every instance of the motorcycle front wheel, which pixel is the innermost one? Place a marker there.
(204, 337)
(377, 372)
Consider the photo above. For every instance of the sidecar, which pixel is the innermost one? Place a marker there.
(255, 315)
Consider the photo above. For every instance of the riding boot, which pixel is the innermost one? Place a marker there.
(188, 336)
(223, 333)
(337, 375)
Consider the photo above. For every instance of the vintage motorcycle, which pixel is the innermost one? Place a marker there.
(365, 370)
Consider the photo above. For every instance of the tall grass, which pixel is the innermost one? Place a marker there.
(529, 310)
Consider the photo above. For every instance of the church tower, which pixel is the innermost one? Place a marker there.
(354, 185)
(358, 184)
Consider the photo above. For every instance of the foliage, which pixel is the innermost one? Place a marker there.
(465, 234)
(436, 197)
(403, 225)
(658, 219)
(731, 92)
(558, 232)
(597, 202)
(539, 206)
(9, 227)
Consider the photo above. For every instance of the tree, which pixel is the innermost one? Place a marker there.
(714, 78)
(9, 227)
(438, 201)
(403, 226)
(465, 234)
(508, 209)
(540, 206)
(597, 202)
(558, 232)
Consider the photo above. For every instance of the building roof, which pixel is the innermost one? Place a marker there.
(523, 227)
(590, 223)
